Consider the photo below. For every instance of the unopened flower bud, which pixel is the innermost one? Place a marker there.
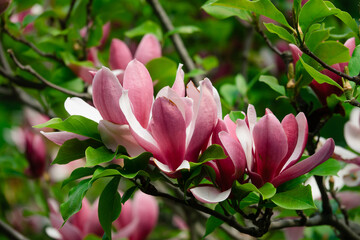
(348, 91)
(291, 76)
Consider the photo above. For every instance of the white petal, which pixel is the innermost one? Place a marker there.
(210, 194)
(77, 106)
(165, 168)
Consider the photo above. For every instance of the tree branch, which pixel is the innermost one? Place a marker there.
(176, 39)
(64, 23)
(10, 232)
(30, 70)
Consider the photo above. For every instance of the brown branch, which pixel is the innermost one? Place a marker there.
(176, 39)
(21, 81)
(34, 48)
(64, 23)
(87, 27)
(11, 232)
(30, 70)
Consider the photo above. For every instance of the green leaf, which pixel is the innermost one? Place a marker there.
(230, 93)
(101, 173)
(250, 199)
(162, 71)
(98, 156)
(134, 165)
(273, 83)
(75, 124)
(313, 11)
(79, 173)
(183, 30)
(221, 12)
(213, 223)
(195, 72)
(213, 152)
(267, 191)
(128, 193)
(210, 62)
(241, 84)
(281, 32)
(338, 54)
(299, 198)
(109, 205)
(346, 18)
(234, 115)
(315, 37)
(329, 168)
(95, 33)
(262, 7)
(297, 8)
(354, 63)
(145, 28)
(319, 77)
(73, 149)
(73, 204)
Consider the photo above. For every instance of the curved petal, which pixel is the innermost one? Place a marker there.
(352, 136)
(138, 81)
(296, 53)
(210, 194)
(251, 117)
(179, 86)
(203, 123)
(230, 125)
(350, 44)
(77, 106)
(106, 94)
(148, 49)
(114, 135)
(306, 165)
(142, 136)
(244, 136)
(271, 146)
(165, 168)
(355, 117)
(82, 72)
(120, 54)
(168, 129)
(60, 137)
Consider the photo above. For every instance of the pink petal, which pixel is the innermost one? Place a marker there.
(148, 49)
(114, 135)
(77, 106)
(350, 44)
(203, 123)
(349, 199)
(168, 129)
(142, 136)
(146, 209)
(251, 117)
(294, 233)
(244, 136)
(82, 72)
(120, 54)
(106, 94)
(165, 168)
(60, 137)
(230, 125)
(209, 194)
(296, 53)
(192, 92)
(271, 146)
(179, 86)
(105, 34)
(93, 56)
(306, 165)
(138, 81)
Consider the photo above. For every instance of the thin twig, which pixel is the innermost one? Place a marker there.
(10, 232)
(64, 23)
(34, 48)
(87, 27)
(21, 81)
(30, 70)
(176, 39)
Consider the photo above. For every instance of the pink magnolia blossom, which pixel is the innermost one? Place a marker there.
(273, 148)
(37, 9)
(324, 90)
(179, 127)
(120, 55)
(227, 170)
(138, 217)
(35, 152)
(80, 224)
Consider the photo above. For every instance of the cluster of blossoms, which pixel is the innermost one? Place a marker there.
(177, 127)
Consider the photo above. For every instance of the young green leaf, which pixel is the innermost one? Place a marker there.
(329, 168)
(79, 173)
(273, 83)
(128, 193)
(183, 30)
(73, 204)
(95, 156)
(213, 152)
(299, 198)
(346, 18)
(212, 223)
(221, 12)
(281, 32)
(354, 63)
(241, 84)
(262, 7)
(145, 28)
(109, 205)
(162, 71)
(338, 54)
(134, 165)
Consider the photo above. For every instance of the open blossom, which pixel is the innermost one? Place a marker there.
(79, 225)
(226, 170)
(324, 90)
(138, 217)
(352, 130)
(273, 148)
(179, 127)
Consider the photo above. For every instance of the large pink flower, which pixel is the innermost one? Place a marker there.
(179, 127)
(138, 217)
(273, 148)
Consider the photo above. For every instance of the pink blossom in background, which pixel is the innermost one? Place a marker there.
(138, 217)
(19, 17)
(352, 130)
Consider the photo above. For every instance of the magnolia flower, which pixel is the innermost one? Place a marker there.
(120, 55)
(352, 130)
(272, 149)
(323, 90)
(35, 152)
(107, 90)
(227, 170)
(179, 127)
(37, 9)
(78, 226)
(138, 217)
